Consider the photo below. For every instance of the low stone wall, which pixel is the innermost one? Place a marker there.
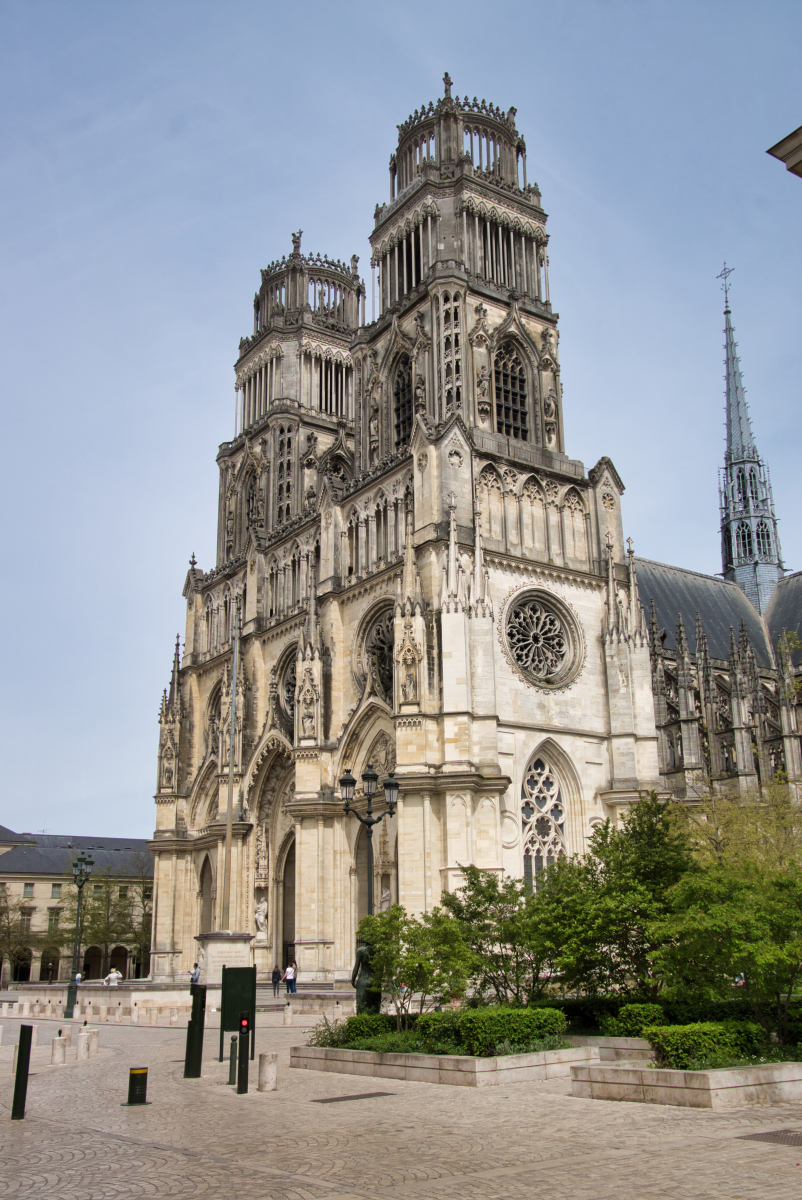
(453, 1069)
(617, 1049)
(730, 1087)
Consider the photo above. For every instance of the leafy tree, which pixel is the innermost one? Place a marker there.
(727, 922)
(753, 831)
(424, 958)
(499, 922)
(105, 915)
(16, 939)
(140, 905)
(597, 913)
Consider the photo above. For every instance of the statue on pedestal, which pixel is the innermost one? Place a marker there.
(368, 999)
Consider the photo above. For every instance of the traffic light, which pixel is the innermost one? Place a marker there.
(244, 1040)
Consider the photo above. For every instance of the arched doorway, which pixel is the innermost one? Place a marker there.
(93, 963)
(288, 906)
(206, 897)
(119, 959)
(361, 856)
(22, 967)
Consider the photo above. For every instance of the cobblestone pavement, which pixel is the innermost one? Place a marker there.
(199, 1139)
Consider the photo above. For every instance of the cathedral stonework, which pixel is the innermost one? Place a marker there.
(423, 580)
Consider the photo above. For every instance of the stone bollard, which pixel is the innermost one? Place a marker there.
(67, 1035)
(34, 1036)
(14, 1060)
(94, 1041)
(1, 1034)
(58, 1052)
(25, 1008)
(173, 1016)
(84, 1039)
(268, 1072)
(103, 1013)
(118, 1014)
(135, 1014)
(288, 1014)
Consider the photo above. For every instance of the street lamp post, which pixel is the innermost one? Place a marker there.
(369, 782)
(81, 870)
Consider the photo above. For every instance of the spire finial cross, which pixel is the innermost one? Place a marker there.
(725, 275)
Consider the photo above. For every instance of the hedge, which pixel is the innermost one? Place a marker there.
(682, 1047)
(477, 1031)
(632, 1019)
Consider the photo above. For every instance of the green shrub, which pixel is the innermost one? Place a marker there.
(439, 1030)
(685, 1047)
(404, 1042)
(332, 1034)
(482, 1029)
(690, 1012)
(552, 1041)
(631, 1020)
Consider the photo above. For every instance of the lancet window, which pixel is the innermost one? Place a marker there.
(510, 392)
(284, 461)
(448, 329)
(754, 494)
(402, 401)
(542, 820)
(743, 540)
(763, 539)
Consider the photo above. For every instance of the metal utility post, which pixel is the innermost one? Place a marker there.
(231, 755)
(369, 782)
(23, 1066)
(81, 870)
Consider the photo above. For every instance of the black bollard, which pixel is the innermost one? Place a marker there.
(232, 1061)
(244, 1047)
(137, 1087)
(194, 1052)
(23, 1065)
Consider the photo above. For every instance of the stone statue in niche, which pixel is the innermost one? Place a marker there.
(260, 917)
(482, 385)
(384, 903)
(373, 430)
(420, 394)
(409, 686)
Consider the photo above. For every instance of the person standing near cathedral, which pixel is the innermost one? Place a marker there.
(290, 976)
(276, 977)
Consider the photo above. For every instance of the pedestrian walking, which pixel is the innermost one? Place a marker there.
(276, 977)
(290, 976)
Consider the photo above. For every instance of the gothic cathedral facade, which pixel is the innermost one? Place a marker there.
(422, 579)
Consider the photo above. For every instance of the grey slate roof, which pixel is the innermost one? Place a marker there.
(52, 854)
(785, 610)
(8, 835)
(720, 604)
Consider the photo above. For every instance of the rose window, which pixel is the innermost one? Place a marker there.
(542, 638)
(542, 820)
(537, 639)
(379, 653)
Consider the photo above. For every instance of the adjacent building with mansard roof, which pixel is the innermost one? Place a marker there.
(427, 582)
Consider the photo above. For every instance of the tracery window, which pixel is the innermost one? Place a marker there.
(753, 488)
(542, 820)
(402, 395)
(763, 539)
(510, 391)
(743, 540)
(448, 329)
(379, 653)
(250, 502)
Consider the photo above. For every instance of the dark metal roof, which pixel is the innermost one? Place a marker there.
(785, 610)
(16, 839)
(57, 859)
(721, 605)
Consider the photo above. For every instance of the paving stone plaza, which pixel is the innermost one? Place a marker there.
(312, 1139)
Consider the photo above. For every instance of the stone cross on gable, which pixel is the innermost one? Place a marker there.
(609, 541)
(452, 500)
(630, 551)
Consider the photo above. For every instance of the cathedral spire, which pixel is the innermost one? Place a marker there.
(750, 544)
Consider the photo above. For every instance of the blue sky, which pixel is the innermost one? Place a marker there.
(154, 156)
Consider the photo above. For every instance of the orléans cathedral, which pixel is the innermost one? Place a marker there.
(426, 582)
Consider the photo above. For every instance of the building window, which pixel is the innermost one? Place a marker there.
(510, 381)
(542, 820)
(148, 893)
(53, 916)
(402, 395)
(27, 891)
(763, 539)
(55, 891)
(123, 893)
(284, 475)
(25, 920)
(743, 540)
(97, 890)
(753, 489)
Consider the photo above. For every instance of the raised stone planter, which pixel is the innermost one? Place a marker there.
(729, 1087)
(453, 1069)
(617, 1049)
